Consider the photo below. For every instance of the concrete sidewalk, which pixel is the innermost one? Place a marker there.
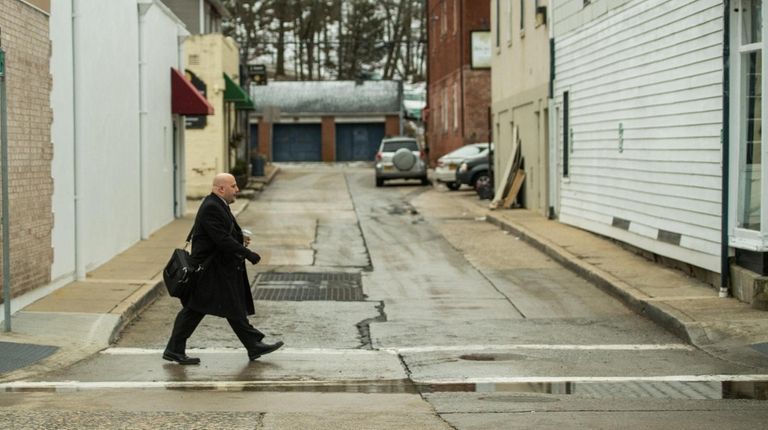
(683, 305)
(83, 317)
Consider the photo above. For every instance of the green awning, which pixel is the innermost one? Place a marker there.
(236, 94)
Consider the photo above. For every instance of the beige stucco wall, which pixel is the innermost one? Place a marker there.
(519, 92)
(209, 56)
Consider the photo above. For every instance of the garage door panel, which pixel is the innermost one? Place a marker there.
(359, 141)
(297, 142)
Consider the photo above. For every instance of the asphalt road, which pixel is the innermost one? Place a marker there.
(459, 325)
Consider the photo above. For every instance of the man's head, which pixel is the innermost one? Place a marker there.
(224, 186)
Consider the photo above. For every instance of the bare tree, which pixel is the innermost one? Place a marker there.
(345, 39)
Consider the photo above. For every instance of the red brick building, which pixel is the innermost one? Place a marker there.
(458, 94)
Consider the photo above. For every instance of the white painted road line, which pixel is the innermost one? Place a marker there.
(417, 349)
(241, 385)
(583, 379)
(193, 351)
(618, 347)
(210, 385)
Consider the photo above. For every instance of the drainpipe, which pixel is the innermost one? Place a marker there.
(77, 162)
(143, 7)
(400, 103)
(725, 267)
(552, 120)
(462, 134)
(6, 209)
(181, 191)
(201, 24)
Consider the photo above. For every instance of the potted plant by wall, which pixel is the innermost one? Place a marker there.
(240, 172)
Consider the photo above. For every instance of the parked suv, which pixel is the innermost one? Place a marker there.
(400, 157)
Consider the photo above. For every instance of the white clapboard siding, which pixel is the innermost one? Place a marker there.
(659, 180)
(645, 85)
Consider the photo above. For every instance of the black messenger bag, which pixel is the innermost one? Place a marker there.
(180, 274)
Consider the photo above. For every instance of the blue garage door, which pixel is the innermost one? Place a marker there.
(296, 142)
(358, 142)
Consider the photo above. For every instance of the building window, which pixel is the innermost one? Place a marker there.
(443, 17)
(455, 106)
(510, 24)
(498, 22)
(456, 16)
(566, 132)
(522, 18)
(749, 208)
(445, 109)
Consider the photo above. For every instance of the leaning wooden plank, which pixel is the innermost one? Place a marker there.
(505, 178)
(515, 189)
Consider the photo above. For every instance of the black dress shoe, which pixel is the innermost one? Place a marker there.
(180, 358)
(263, 348)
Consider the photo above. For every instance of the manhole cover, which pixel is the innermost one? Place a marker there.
(17, 355)
(302, 286)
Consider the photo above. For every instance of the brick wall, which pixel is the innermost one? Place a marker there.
(25, 39)
(265, 139)
(477, 101)
(458, 97)
(328, 136)
(392, 125)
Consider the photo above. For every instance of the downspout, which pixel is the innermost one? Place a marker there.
(201, 24)
(461, 70)
(725, 267)
(552, 120)
(143, 8)
(77, 164)
(400, 103)
(181, 191)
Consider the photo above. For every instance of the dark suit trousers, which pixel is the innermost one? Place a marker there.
(187, 321)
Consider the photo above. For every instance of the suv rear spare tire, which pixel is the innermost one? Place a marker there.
(404, 159)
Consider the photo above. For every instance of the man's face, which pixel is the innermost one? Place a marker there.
(229, 190)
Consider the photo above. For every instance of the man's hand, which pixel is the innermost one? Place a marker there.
(246, 241)
(254, 258)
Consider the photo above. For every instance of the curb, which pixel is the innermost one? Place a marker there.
(629, 296)
(136, 303)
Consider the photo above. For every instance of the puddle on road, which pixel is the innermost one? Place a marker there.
(641, 389)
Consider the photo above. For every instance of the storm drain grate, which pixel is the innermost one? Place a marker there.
(761, 347)
(337, 287)
(17, 355)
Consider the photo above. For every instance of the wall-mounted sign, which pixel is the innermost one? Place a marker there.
(258, 73)
(196, 121)
(480, 44)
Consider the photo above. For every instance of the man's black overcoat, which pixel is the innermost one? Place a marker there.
(222, 289)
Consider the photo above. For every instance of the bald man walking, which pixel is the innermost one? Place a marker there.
(222, 289)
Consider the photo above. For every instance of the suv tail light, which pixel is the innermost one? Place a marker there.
(422, 155)
(378, 156)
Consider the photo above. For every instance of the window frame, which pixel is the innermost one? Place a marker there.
(742, 237)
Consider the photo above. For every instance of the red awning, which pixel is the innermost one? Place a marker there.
(185, 99)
